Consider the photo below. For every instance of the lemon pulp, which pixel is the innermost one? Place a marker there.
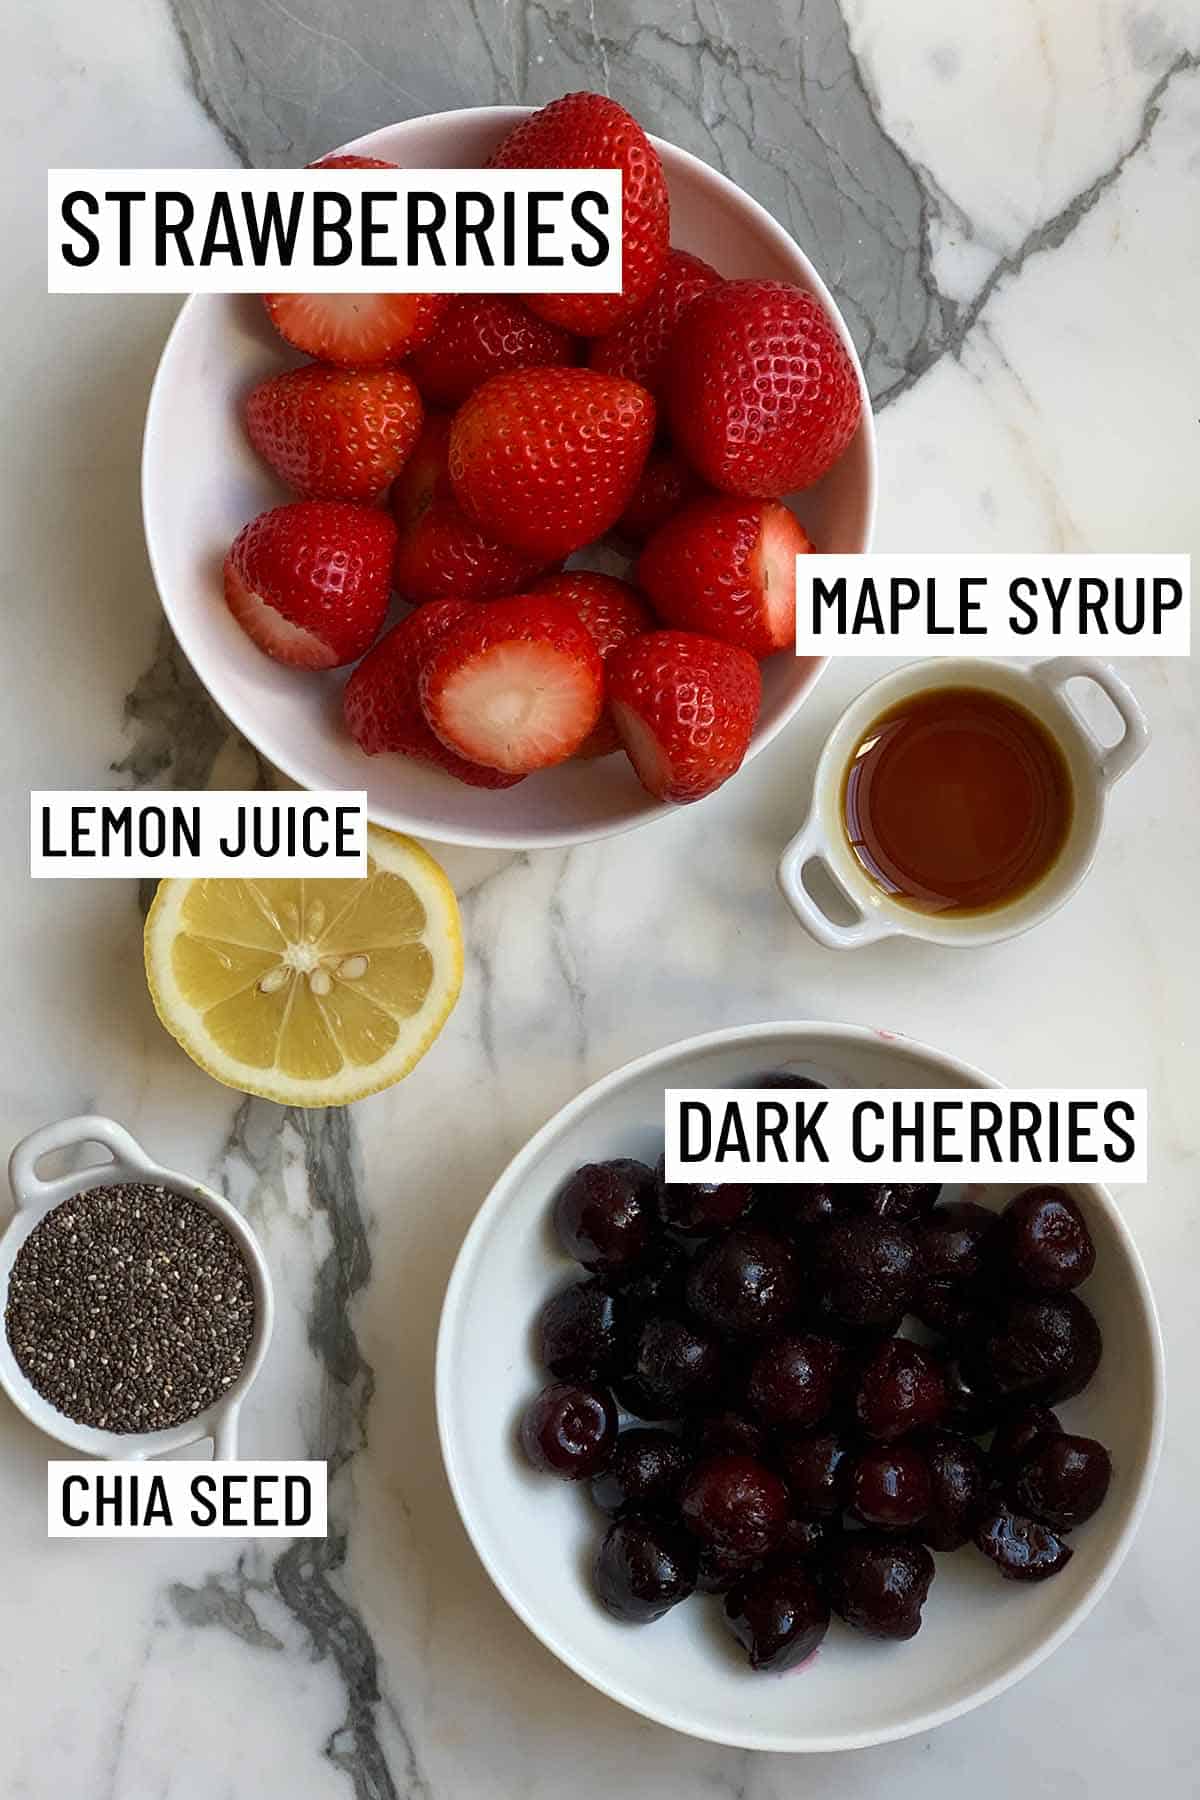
(309, 992)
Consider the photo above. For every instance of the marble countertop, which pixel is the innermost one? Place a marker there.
(1003, 200)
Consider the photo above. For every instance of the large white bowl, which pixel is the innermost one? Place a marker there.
(536, 1537)
(201, 482)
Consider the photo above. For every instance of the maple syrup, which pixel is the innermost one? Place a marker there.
(957, 800)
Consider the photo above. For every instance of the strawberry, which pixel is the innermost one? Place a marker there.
(761, 393)
(685, 707)
(310, 582)
(590, 131)
(666, 484)
(440, 550)
(638, 348)
(335, 434)
(356, 331)
(515, 684)
(382, 703)
(727, 567)
(613, 613)
(547, 459)
(480, 335)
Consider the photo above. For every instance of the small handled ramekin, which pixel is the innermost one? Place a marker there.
(35, 1198)
(1094, 767)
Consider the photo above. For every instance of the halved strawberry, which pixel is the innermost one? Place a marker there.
(727, 567)
(355, 331)
(382, 704)
(516, 684)
(440, 551)
(310, 582)
(591, 131)
(638, 348)
(666, 483)
(685, 707)
(335, 434)
(613, 612)
(547, 459)
(480, 335)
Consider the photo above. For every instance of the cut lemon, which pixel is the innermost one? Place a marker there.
(311, 993)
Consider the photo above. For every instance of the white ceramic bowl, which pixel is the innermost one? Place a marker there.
(201, 482)
(536, 1536)
(36, 1196)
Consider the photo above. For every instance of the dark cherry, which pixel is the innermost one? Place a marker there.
(959, 1483)
(793, 1206)
(879, 1584)
(865, 1270)
(745, 1284)
(946, 1308)
(645, 1474)
(803, 1538)
(1064, 1481)
(717, 1572)
(1021, 1549)
(1046, 1347)
(643, 1569)
(1045, 1245)
(570, 1430)
(812, 1465)
(717, 1433)
(1019, 1435)
(953, 1243)
(604, 1214)
(578, 1333)
(736, 1505)
(900, 1388)
(781, 1078)
(888, 1485)
(779, 1615)
(794, 1380)
(900, 1203)
(656, 1283)
(698, 1208)
(972, 1406)
(671, 1366)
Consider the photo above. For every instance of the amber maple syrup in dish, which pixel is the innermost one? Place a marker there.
(957, 800)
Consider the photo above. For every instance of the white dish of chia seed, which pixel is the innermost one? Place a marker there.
(35, 1198)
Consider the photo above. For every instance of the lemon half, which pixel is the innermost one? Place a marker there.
(311, 993)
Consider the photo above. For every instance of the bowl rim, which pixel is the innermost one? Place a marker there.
(293, 763)
(508, 1182)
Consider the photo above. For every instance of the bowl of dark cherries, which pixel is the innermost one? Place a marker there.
(790, 1411)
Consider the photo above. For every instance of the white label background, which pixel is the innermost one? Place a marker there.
(992, 631)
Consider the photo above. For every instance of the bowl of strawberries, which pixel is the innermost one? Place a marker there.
(523, 569)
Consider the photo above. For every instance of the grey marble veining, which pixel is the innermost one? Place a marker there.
(770, 93)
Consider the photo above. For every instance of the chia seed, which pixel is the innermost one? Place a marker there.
(130, 1308)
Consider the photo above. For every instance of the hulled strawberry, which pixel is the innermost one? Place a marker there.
(665, 484)
(548, 459)
(440, 550)
(355, 331)
(761, 394)
(382, 703)
(480, 335)
(515, 684)
(727, 567)
(685, 707)
(310, 582)
(590, 131)
(335, 434)
(638, 348)
(613, 612)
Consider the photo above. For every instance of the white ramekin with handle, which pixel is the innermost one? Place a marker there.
(34, 1198)
(1042, 690)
